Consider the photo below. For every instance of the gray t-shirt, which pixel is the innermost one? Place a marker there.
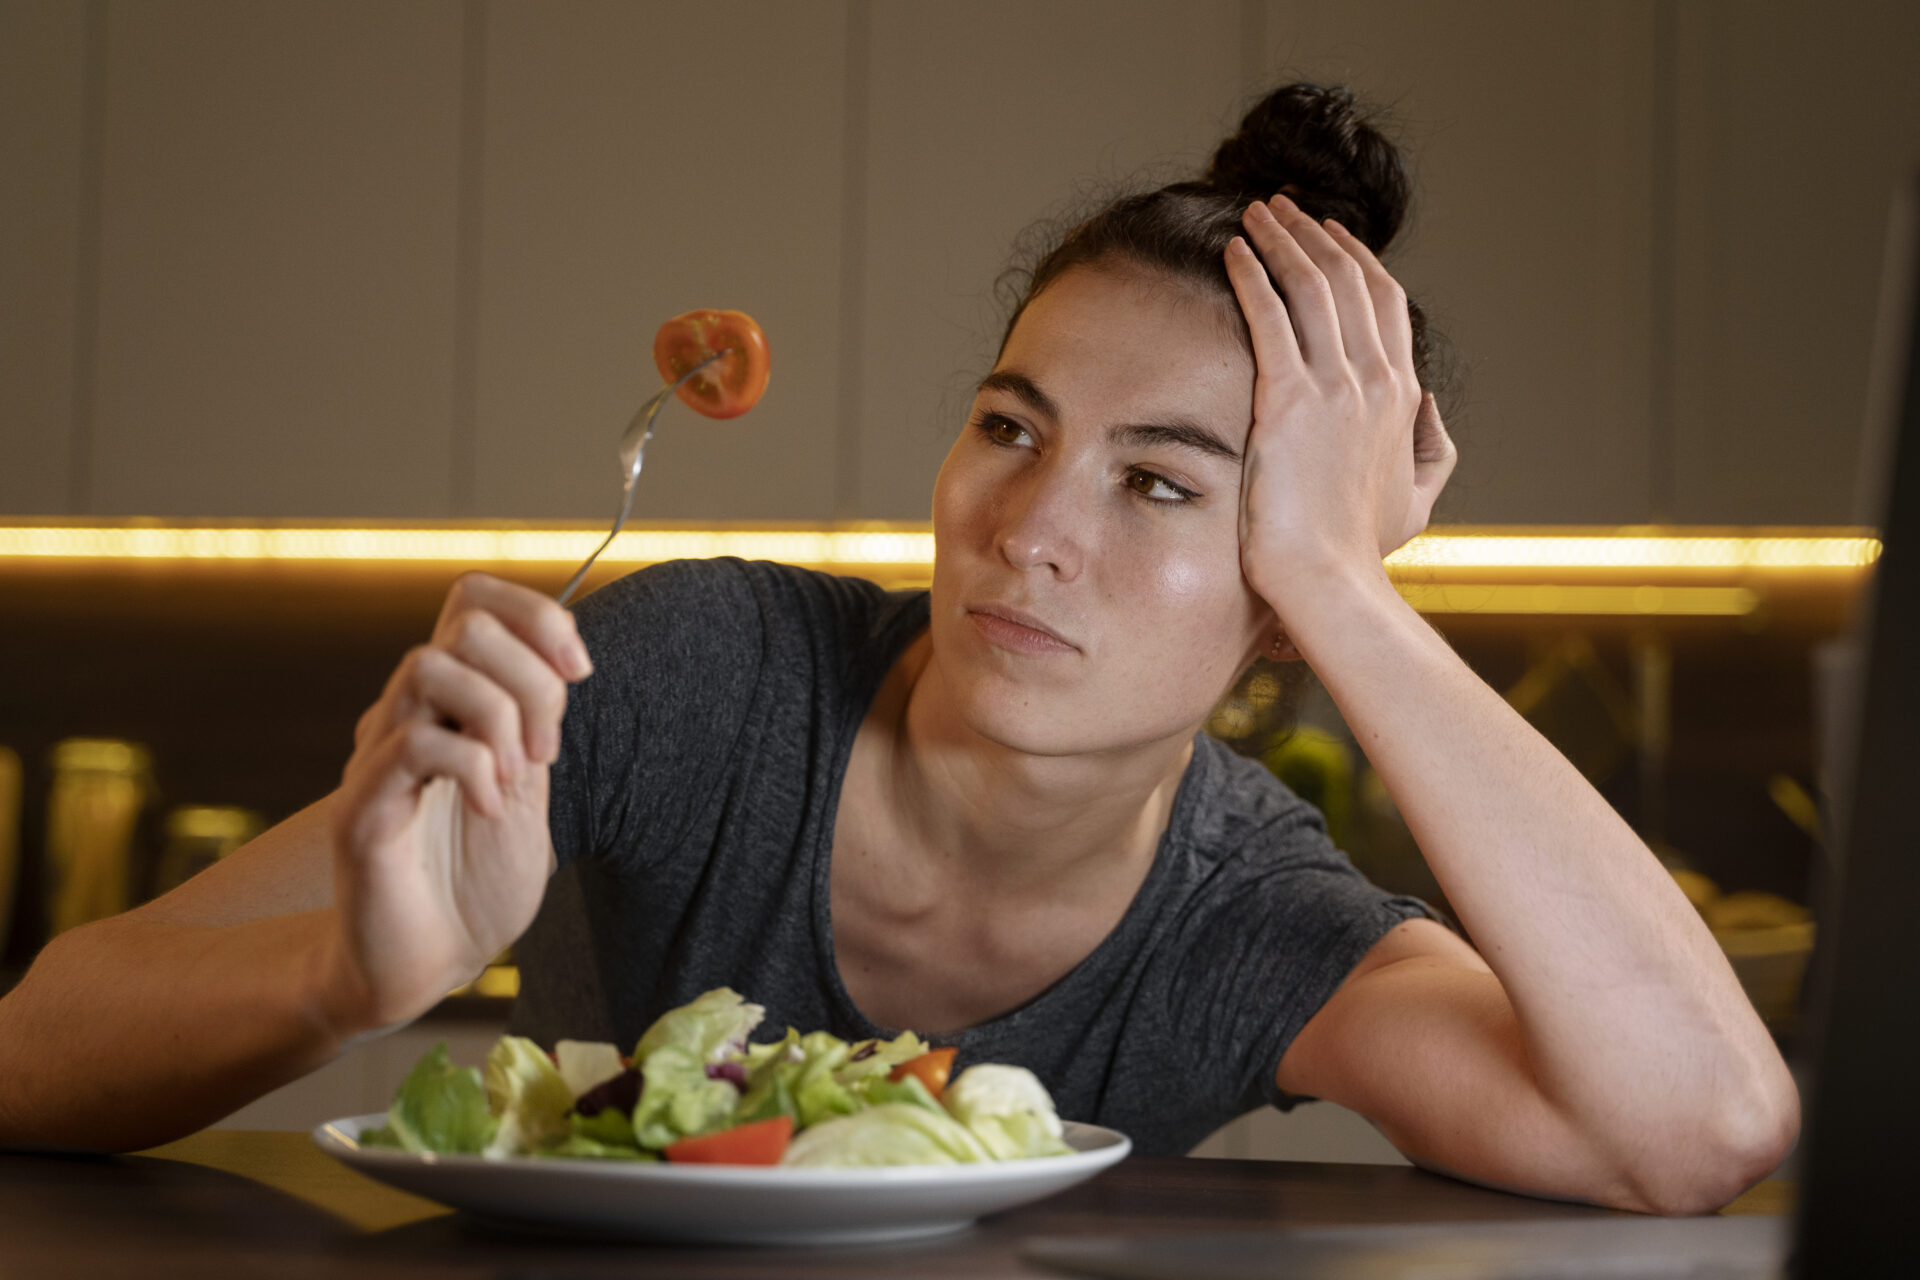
(693, 810)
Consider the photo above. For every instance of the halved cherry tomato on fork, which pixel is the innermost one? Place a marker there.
(729, 388)
(761, 1142)
(931, 1068)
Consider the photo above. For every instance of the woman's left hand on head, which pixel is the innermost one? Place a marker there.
(1346, 454)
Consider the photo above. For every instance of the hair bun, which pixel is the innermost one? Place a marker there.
(1317, 146)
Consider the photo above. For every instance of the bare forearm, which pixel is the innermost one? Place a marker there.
(1634, 1024)
(132, 1032)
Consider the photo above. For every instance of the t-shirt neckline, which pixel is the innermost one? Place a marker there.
(891, 638)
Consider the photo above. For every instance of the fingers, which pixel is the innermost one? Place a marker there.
(1432, 446)
(1305, 289)
(1325, 287)
(522, 640)
(538, 693)
(494, 679)
(539, 623)
(1391, 318)
(383, 784)
(1275, 345)
(483, 680)
(1434, 456)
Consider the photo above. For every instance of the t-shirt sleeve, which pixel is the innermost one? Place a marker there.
(678, 650)
(1287, 923)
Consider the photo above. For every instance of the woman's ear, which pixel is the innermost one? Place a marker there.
(1280, 649)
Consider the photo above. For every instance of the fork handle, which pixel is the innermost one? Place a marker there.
(626, 505)
(638, 433)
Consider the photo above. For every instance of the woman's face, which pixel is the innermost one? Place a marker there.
(1087, 593)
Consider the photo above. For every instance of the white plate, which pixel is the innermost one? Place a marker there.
(724, 1204)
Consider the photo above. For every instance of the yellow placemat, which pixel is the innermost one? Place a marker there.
(290, 1162)
(1775, 1196)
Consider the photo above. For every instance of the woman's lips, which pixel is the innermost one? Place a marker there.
(1018, 636)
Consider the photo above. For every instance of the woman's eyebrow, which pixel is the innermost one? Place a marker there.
(1020, 386)
(1181, 433)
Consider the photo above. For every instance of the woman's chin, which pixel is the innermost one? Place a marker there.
(1035, 724)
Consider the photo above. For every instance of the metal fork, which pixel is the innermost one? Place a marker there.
(633, 452)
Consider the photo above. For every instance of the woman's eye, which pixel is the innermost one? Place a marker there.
(1003, 431)
(1156, 487)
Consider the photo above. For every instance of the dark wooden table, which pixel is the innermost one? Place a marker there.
(230, 1203)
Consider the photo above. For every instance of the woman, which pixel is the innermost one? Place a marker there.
(985, 812)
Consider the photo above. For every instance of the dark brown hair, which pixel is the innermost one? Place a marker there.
(1315, 144)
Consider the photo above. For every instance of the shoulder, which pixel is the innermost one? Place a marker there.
(727, 583)
(1240, 813)
(1268, 880)
(710, 607)
(707, 597)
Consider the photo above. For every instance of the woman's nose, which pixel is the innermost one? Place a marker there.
(1041, 528)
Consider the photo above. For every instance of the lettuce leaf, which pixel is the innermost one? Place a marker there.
(711, 1027)
(770, 1069)
(877, 1090)
(1008, 1110)
(611, 1127)
(678, 1100)
(871, 1058)
(888, 1134)
(582, 1147)
(527, 1095)
(441, 1107)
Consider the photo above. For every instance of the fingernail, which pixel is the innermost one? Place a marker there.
(1335, 224)
(582, 664)
(1239, 246)
(1258, 210)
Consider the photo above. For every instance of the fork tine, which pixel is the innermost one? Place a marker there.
(637, 430)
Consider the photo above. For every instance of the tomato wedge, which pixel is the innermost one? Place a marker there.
(931, 1068)
(762, 1142)
(729, 388)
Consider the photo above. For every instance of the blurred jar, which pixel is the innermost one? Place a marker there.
(9, 836)
(1317, 767)
(199, 835)
(100, 786)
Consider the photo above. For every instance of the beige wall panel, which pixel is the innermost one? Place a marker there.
(42, 88)
(984, 117)
(1796, 123)
(642, 162)
(1529, 127)
(277, 258)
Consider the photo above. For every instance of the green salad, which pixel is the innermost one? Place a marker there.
(694, 1090)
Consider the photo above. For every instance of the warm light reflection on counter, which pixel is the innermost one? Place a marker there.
(1489, 570)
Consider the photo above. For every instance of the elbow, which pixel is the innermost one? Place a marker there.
(1737, 1145)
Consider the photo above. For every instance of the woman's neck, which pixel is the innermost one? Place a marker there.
(1001, 816)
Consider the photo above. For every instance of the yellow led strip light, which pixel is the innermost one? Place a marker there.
(1676, 550)
(905, 546)
(1444, 552)
(1670, 572)
(1642, 601)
